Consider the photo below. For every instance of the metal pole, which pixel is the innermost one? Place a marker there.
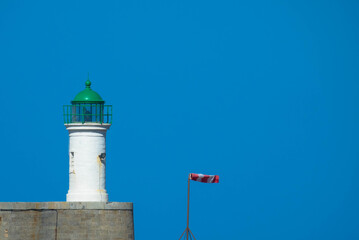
(188, 207)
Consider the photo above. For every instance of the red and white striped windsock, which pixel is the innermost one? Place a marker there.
(204, 178)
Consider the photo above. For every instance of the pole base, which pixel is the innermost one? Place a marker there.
(187, 235)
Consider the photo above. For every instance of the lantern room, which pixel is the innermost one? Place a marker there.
(87, 107)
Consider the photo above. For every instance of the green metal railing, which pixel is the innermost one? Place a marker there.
(82, 113)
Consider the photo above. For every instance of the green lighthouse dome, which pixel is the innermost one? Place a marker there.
(87, 107)
(88, 95)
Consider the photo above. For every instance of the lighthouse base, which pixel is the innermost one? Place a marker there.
(64, 220)
(91, 196)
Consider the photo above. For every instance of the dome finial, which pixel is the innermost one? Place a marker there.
(88, 83)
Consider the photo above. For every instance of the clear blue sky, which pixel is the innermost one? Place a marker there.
(262, 93)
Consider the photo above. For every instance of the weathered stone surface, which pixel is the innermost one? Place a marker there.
(65, 205)
(66, 221)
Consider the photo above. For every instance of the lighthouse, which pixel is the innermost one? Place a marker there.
(87, 214)
(87, 120)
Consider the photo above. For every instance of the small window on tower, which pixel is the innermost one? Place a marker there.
(72, 162)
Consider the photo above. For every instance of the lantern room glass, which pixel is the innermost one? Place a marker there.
(87, 113)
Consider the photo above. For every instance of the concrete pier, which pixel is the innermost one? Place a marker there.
(66, 221)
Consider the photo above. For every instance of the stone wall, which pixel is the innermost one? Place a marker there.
(66, 221)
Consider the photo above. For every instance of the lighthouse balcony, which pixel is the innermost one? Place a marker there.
(87, 113)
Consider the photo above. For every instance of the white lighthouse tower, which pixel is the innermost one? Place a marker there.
(87, 121)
